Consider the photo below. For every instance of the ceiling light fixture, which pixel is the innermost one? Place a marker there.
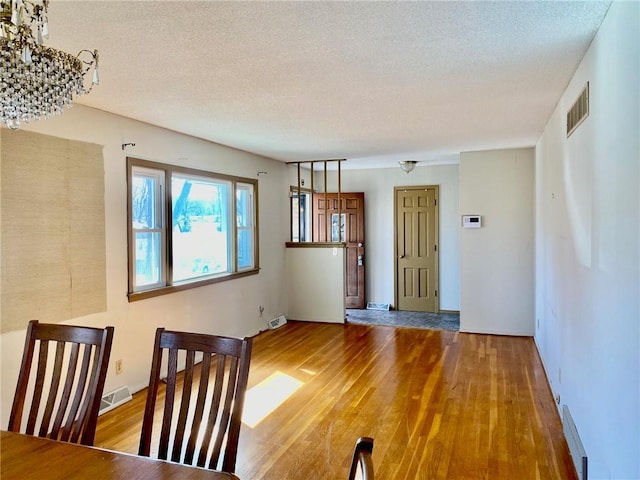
(36, 81)
(407, 165)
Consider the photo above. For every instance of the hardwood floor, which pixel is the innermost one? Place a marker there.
(439, 404)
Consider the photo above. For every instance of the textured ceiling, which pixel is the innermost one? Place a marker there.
(373, 82)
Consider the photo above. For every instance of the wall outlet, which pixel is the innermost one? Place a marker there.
(118, 367)
(557, 398)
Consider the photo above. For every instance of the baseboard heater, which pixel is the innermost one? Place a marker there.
(576, 449)
(114, 398)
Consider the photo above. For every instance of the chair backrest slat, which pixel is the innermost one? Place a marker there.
(43, 353)
(72, 415)
(66, 392)
(203, 388)
(225, 414)
(95, 389)
(23, 381)
(172, 370)
(214, 410)
(53, 390)
(178, 439)
(79, 421)
(152, 393)
(89, 395)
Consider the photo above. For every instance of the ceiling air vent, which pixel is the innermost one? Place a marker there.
(579, 111)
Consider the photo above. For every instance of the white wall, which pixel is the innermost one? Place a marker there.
(228, 308)
(316, 284)
(587, 250)
(496, 275)
(377, 185)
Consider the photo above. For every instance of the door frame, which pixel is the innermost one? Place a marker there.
(436, 189)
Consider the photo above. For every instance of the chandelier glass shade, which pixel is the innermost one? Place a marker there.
(36, 81)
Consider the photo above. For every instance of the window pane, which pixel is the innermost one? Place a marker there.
(300, 216)
(145, 196)
(147, 223)
(245, 249)
(199, 226)
(148, 254)
(244, 205)
(245, 222)
(337, 229)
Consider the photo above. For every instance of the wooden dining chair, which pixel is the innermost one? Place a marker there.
(362, 462)
(210, 423)
(72, 386)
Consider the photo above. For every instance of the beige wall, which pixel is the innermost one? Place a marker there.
(316, 284)
(496, 261)
(588, 249)
(228, 308)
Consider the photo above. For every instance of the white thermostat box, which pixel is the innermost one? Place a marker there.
(471, 221)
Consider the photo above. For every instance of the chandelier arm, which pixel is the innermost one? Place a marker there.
(93, 53)
(92, 63)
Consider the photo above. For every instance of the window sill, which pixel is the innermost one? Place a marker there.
(156, 292)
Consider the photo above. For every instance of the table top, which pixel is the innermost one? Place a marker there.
(27, 457)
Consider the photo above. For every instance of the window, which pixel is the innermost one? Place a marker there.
(148, 228)
(300, 215)
(245, 219)
(182, 228)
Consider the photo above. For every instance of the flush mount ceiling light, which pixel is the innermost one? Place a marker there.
(36, 81)
(407, 165)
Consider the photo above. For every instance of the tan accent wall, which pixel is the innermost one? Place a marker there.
(52, 229)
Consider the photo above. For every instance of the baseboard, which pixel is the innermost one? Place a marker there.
(301, 318)
(498, 333)
(449, 311)
(546, 374)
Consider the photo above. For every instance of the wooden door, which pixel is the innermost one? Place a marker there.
(349, 230)
(416, 248)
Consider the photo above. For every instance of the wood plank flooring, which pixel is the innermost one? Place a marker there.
(439, 404)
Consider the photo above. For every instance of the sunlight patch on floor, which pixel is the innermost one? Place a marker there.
(268, 395)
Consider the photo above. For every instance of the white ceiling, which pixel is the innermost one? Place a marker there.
(373, 82)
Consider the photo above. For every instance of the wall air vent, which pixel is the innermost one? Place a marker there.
(115, 398)
(277, 322)
(377, 306)
(578, 111)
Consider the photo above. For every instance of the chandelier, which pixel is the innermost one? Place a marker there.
(408, 165)
(36, 81)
